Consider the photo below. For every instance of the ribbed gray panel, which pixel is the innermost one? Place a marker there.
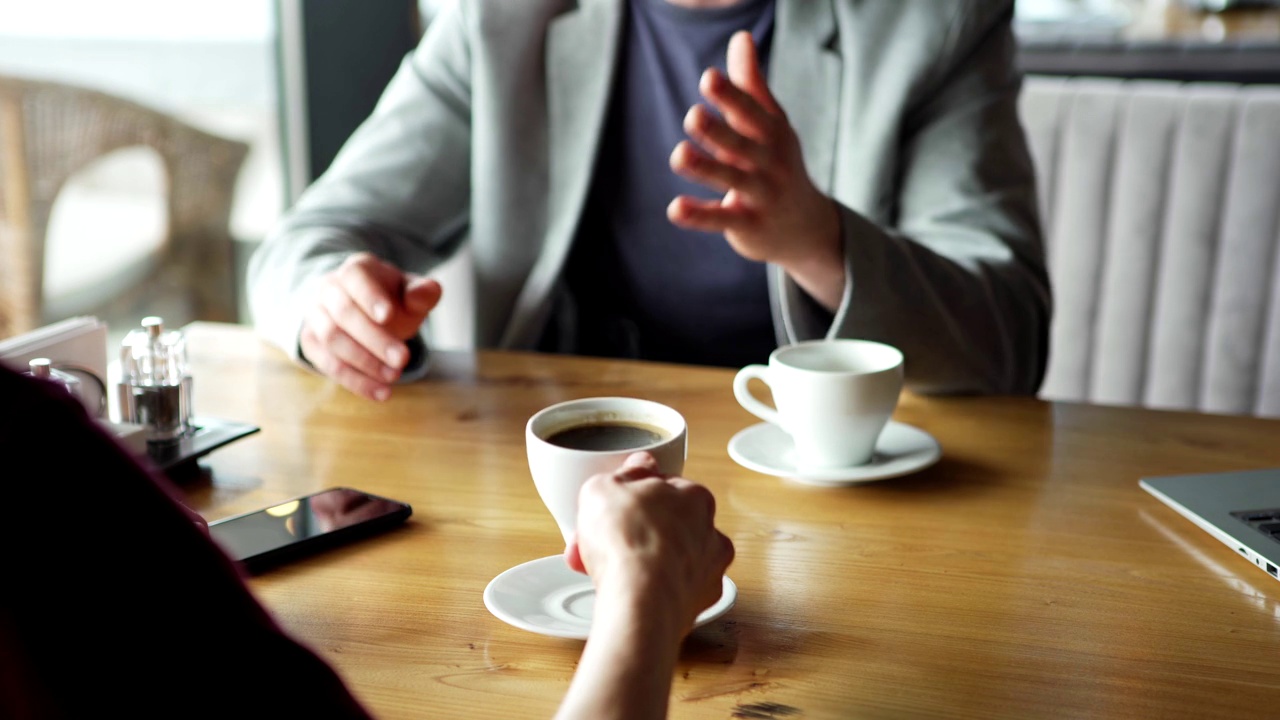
(1202, 150)
(1080, 202)
(1162, 207)
(1245, 271)
(1133, 244)
(1268, 402)
(1041, 109)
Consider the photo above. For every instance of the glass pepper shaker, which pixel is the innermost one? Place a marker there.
(156, 381)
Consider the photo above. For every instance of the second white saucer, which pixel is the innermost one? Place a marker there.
(900, 450)
(546, 597)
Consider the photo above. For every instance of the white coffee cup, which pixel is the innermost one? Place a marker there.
(833, 397)
(559, 472)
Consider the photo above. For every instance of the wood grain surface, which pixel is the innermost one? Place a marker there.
(1026, 575)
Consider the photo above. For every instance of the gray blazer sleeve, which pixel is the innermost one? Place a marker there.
(399, 188)
(956, 279)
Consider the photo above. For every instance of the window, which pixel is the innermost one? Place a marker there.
(211, 66)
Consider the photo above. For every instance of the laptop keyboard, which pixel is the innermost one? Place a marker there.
(1266, 522)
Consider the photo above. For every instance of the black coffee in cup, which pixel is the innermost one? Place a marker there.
(611, 435)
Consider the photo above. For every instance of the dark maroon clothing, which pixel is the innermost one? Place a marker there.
(113, 601)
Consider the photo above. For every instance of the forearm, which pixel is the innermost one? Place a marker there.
(399, 188)
(969, 311)
(626, 668)
(947, 263)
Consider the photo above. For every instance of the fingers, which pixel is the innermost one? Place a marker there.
(396, 302)
(637, 523)
(723, 558)
(644, 466)
(421, 295)
(334, 353)
(642, 461)
(744, 151)
(692, 487)
(372, 284)
(416, 286)
(710, 215)
(573, 556)
(693, 164)
(742, 154)
(743, 64)
(365, 310)
(697, 496)
(740, 109)
(722, 142)
(344, 309)
(727, 551)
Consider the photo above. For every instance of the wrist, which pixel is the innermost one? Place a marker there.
(818, 264)
(626, 668)
(642, 604)
(816, 244)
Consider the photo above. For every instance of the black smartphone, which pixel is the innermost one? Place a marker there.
(262, 539)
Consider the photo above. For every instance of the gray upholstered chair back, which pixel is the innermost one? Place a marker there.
(1161, 206)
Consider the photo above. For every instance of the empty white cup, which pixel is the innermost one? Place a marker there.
(833, 397)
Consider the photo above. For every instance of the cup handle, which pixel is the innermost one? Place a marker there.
(98, 384)
(749, 401)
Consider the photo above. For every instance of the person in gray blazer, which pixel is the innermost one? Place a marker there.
(682, 180)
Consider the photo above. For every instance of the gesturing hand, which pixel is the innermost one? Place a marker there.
(771, 211)
(356, 331)
(651, 538)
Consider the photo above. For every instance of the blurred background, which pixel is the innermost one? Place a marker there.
(146, 146)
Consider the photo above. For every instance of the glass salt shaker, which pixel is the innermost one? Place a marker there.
(156, 381)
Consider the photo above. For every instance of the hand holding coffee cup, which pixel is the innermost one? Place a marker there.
(620, 514)
(833, 397)
(569, 442)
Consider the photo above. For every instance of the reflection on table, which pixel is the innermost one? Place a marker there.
(1025, 574)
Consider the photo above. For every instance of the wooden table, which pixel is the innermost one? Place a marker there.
(1025, 575)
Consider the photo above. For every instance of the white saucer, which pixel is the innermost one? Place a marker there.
(546, 597)
(901, 449)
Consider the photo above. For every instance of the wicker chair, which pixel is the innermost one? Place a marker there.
(48, 132)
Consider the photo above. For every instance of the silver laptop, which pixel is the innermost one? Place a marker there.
(1241, 509)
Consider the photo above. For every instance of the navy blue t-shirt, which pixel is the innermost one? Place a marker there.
(644, 287)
